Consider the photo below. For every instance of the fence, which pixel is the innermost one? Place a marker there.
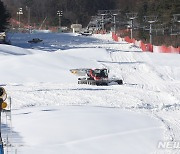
(147, 47)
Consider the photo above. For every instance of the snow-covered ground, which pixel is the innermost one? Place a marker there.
(85, 130)
(51, 113)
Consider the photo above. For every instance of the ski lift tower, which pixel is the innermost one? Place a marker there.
(28, 9)
(102, 13)
(60, 14)
(151, 20)
(19, 13)
(114, 14)
(131, 16)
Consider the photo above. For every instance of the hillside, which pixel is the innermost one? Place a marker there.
(80, 11)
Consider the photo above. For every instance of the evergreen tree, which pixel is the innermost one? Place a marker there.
(4, 17)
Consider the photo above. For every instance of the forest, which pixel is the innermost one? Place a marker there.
(80, 11)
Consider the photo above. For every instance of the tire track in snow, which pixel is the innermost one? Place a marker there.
(172, 125)
(110, 135)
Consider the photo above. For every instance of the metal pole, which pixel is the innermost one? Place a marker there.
(59, 21)
(131, 28)
(102, 22)
(150, 32)
(96, 24)
(1, 143)
(19, 21)
(115, 23)
(29, 17)
(19, 14)
(59, 13)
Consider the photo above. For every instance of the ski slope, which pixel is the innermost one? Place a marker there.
(85, 130)
(52, 113)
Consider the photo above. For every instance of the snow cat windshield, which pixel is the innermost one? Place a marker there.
(100, 73)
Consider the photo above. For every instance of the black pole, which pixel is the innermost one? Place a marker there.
(1, 143)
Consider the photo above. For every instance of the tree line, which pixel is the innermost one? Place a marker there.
(80, 11)
(4, 17)
(74, 11)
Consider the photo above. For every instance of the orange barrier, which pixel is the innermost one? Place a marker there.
(147, 47)
(164, 49)
(174, 50)
(115, 37)
(127, 39)
(143, 46)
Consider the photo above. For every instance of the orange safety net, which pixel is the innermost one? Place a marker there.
(148, 47)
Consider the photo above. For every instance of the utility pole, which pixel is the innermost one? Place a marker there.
(176, 21)
(151, 20)
(60, 14)
(29, 18)
(102, 13)
(102, 20)
(19, 13)
(114, 15)
(131, 16)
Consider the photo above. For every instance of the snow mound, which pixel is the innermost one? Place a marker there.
(13, 50)
(36, 66)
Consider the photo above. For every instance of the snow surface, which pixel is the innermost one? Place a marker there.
(85, 130)
(51, 113)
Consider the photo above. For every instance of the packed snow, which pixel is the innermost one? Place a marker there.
(85, 130)
(51, 113)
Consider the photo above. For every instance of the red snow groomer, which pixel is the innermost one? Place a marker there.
(94, 77)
